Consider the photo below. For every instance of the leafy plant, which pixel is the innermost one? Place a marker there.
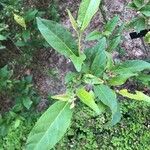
(20, 91)
(20, 44)
(14, 128)
(141, 22)
(94, 81)
(88, 131)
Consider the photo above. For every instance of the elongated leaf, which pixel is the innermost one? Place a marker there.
(50, 128)
(100, 60)
(87, 10)
(20, 20)
(61, 40)
(114, 43)
(78, 61)
(147, 38)
(95, 35)
(30, 15)
(110, 62)
(145, 10)
(131, 66)
(93, 80)
(108, 97)
(138, 3)
(110, 26)
(96, 58)
(73, 21)
(120, 79)
(87, 98)
(137, 96)
(63, 97)
(132, 5)
(58, 37)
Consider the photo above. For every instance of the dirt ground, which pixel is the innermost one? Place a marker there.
(48, 60)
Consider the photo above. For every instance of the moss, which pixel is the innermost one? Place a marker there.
(88, 132)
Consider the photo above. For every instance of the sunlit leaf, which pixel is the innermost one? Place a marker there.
(50, 128)
(73, 21)
(140, 96)
(120, 79)
(87, 10)
(20, 20)
(87, 98)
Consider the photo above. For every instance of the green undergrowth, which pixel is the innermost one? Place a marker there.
(87, 131)
(14, 130)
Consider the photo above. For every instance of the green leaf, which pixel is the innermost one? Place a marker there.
(63, 97)
(61, 40)
(131, 66)
(138, 3)
(70, 76)
(140, 24)
(20, 20)
(120, 79)
(50, 128)
(78, 61)
(144, 78)
(145, 10)
(58, 37)
(30, 15)
(26, 35)
(2, 37)
(137, 23)
(27, 102)
(100, 60)
(95, 35)
(87, 98)
(132, 5)
(5, 72)
(137, 96)
(110, 62)
(90, 79)
(87, 10)
(108, 97)
(147, 38)
(110, 26)
(114, 43)
(96, 59)
(73, 21)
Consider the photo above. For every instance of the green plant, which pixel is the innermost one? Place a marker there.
(14, 128)
(88, 131)
(19, 91)
(20, 44)
(142, 8)
(93, 83)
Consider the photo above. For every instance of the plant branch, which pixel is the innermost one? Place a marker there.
(79, 42)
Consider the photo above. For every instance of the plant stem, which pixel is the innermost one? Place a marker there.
(79, 42)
